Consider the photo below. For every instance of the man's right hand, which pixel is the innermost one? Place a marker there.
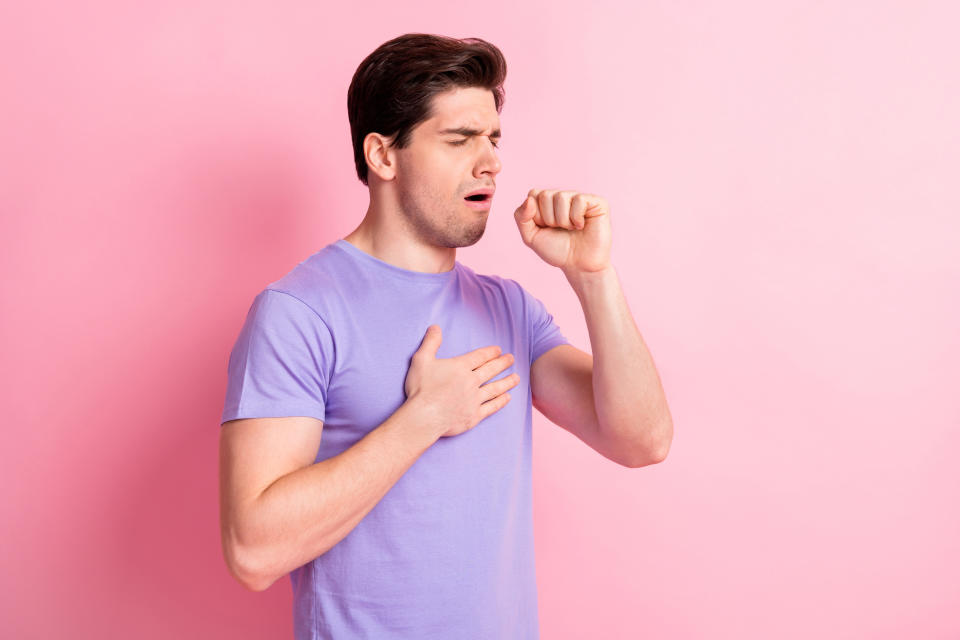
(451, 391)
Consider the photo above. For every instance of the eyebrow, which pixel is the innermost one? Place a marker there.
(467, 131)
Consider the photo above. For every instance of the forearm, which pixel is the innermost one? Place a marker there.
(305, 513)
(628, 396)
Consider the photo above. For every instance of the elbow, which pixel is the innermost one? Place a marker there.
(659, 454)
(647, 458)
(655, 451)
(251, 579)
(245, 569)
(256, 582)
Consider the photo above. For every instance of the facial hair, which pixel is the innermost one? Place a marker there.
(450, 229)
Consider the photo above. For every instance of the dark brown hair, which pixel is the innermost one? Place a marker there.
(392, 89)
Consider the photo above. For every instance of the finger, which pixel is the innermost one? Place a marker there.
(493, 405)
(477, 357)
(431, 342)
(596, 205)
(524, 215)
(545, 202)
(561, 208)
(493, 367)
(534, 196)
(495, 388)
(578, 206)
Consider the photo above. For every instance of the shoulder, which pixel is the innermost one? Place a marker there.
(313, 284)
(518, 297)
(508, 288)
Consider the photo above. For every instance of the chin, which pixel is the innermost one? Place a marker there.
(453, 236)
(474, 239)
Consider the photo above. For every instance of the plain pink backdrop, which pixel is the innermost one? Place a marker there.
(783, 183)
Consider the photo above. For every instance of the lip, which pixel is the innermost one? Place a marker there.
(488, 191)
(481, 205)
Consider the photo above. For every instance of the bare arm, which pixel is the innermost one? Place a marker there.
(305, 512)
(625, 388)
(618, 383)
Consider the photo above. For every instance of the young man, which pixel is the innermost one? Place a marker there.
(411, 517)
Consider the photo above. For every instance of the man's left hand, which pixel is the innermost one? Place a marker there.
(567, 229)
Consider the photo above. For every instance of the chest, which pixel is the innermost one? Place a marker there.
(374, 349)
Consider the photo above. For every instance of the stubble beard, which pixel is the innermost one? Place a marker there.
(451, 230)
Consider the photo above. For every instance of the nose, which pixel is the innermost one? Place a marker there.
(488, 162)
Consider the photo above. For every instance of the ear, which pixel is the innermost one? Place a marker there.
(381, 158)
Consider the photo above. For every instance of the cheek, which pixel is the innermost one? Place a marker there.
(437, 176)
(424, 187)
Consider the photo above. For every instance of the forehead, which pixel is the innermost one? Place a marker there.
(469, 107)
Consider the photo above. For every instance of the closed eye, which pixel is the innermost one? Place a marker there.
(464, 141)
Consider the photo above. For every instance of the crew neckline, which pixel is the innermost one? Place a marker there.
(393, 270)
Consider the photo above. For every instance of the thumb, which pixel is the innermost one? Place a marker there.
(431, 341)
(524, 217)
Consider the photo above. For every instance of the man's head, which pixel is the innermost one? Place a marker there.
(404, 103)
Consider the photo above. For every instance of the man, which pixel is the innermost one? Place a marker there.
(411, 517)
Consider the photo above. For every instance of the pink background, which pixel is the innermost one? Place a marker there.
(783, 184)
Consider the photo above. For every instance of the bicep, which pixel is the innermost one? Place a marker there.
(254, 453)
(561, 384)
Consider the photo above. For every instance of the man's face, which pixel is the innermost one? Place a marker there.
(440, 167)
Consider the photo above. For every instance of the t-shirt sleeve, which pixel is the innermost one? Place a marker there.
(543, 330)
(281, 362)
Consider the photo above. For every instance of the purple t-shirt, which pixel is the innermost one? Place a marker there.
(448, 551)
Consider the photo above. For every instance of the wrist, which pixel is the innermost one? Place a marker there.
(422, 416)
(585, 280)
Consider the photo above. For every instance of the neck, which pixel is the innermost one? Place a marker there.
(385, 235)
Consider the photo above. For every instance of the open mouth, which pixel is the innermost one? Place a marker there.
(480, 197)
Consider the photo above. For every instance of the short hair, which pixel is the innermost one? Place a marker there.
(392, 90)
